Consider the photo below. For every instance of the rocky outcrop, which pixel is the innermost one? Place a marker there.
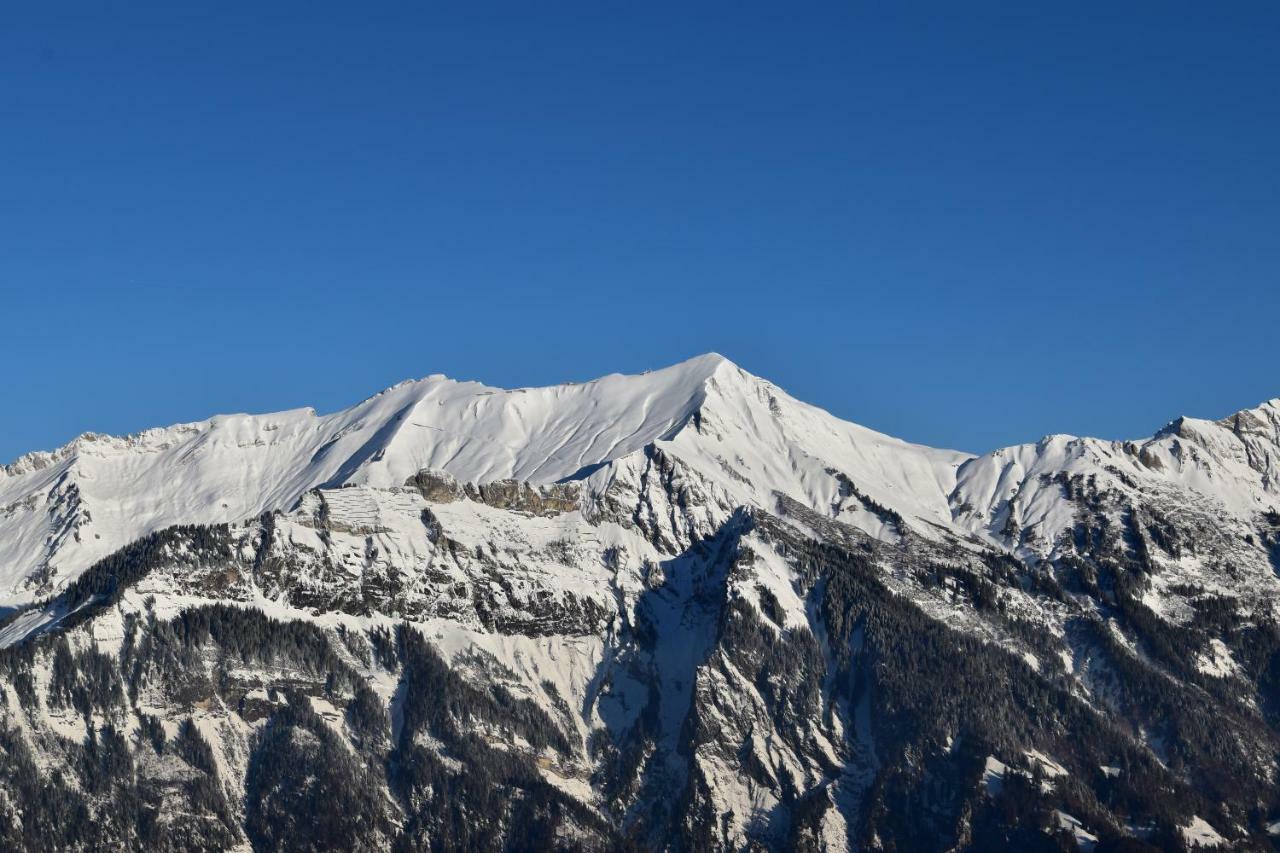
(510, 494)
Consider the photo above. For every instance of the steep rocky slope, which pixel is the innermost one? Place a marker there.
(673, 611)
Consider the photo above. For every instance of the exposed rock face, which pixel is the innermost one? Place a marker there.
(811, 637)
(516, 495)
(437, 486)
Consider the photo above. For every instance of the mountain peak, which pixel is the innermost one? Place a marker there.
(709, 360)
(745, 436)
(230, 467)
(692, 371)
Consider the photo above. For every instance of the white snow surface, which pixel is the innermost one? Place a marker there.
(1200, 833)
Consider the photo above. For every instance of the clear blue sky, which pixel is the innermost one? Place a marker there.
(967, 224)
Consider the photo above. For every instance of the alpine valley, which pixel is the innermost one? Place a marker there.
(675, 611)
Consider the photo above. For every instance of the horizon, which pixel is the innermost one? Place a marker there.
(965, 227)
(322, 413)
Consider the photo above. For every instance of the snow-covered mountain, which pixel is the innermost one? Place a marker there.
(61, 511)
(680, 610)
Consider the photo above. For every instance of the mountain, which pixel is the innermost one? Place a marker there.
(63, 510)
(676, 611)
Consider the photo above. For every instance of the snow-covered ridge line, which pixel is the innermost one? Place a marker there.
(38, 459)
(149, 437)
(62, 510)
(742, 438)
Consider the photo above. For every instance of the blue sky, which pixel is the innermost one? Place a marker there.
(965, 224)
